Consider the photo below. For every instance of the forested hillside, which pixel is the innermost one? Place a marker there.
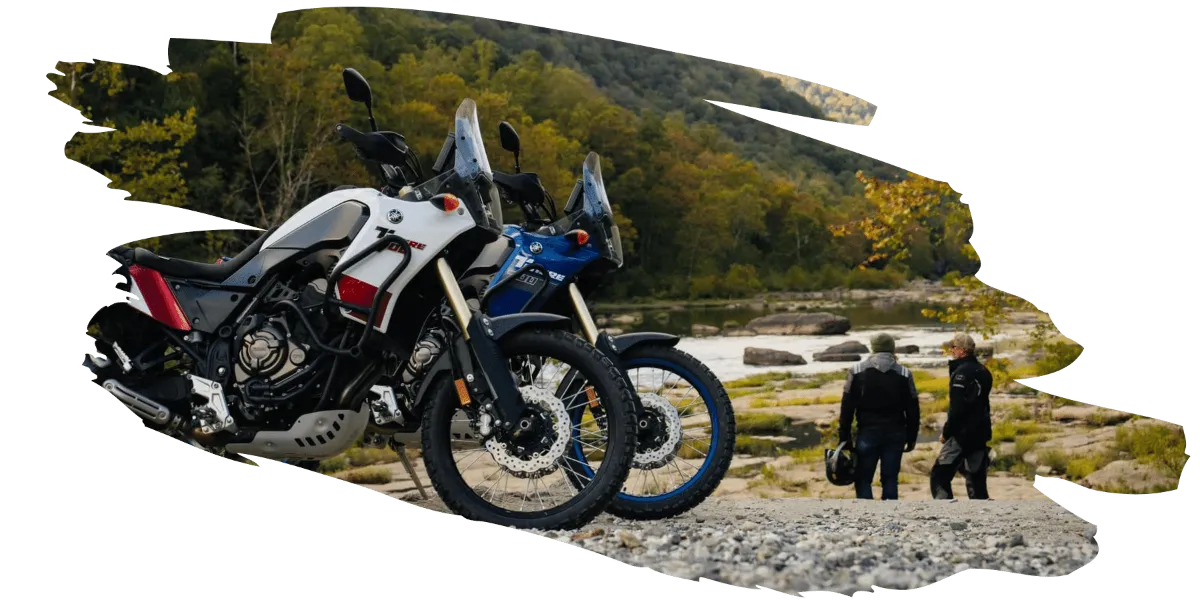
(836, 105)
(711, 204)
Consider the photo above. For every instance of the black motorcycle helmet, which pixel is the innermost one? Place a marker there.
(839, 464)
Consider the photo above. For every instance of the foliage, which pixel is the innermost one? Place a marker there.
(710, 204)
(1160, 446)
(762, 423)
(754, 446)
(366, 475)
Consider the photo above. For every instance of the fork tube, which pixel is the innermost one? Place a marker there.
(585, 317)
(462, 312)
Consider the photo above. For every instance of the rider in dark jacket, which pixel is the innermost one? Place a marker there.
(968, 426)
(882, 396)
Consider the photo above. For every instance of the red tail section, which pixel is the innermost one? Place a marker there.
(157, 295)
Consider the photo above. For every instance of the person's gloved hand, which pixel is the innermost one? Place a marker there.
(910, 445)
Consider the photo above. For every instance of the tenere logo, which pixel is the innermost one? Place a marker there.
(523, 259)
(395, 247)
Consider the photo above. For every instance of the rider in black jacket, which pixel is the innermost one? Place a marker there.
(882, 396)
(968, 426)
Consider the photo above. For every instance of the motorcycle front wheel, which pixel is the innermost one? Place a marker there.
(536, 480)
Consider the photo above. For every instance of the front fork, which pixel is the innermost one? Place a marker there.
(492, 380)
(603, 342)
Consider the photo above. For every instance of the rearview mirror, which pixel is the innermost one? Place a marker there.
(509, 138)
(357, 87)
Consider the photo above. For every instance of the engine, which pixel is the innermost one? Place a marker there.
(268, 353)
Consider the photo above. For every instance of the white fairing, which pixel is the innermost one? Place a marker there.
(428, 229)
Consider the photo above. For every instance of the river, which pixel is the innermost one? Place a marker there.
(723, 355)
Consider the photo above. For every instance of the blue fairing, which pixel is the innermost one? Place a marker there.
(557, 254)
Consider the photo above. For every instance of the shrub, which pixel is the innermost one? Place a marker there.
(1057, 356)
(1158, 445)
(808, 455)
(762, 423)
(876, 279)
(334, 464)
(758, 380)
(745, 444)
(367, 475)
(363, 457)
(1082, 466)
(1004, 432)
(1054, 458)
(938, 386)
(1104, 418)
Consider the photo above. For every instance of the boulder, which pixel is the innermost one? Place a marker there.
(800, 324)
(851, 347)
(908, 349)
(613, 330)
(1129, 474)
(770, 358)
(703, 330)
(832, 357)
(738, 332)
(630, 319)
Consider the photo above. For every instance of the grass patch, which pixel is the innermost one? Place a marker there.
(334, 464)
(812, 382)
(747, 444)
(1025, 443)
(1059, 402)
(1020, 412)
(691, 449)
(1009, 431)
(1105, 418)
(772, 478)
(938, 386)
(1082, 466)
(814, 454)
(937, 405)
(774, 403)
(762, 423)
(919, 376)
(743, 472)
(757, 380)
(367, 475)
(1054, 458)
(365, 457)
(1160, 446)
(743, 392)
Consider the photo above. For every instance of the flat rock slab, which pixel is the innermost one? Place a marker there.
(820, 323)
(769, 357)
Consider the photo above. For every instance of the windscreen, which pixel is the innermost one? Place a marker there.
(595, 203)
(470, 158)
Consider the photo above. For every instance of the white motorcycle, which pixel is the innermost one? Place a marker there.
(278, 351)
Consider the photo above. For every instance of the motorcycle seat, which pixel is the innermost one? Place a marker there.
(176, 267)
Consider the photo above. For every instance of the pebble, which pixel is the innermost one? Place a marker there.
(845, 546)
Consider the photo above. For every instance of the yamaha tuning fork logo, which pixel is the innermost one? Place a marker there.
(536, 247)
(395, 216)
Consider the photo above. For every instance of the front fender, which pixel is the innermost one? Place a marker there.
(624, 342)
(499, 327)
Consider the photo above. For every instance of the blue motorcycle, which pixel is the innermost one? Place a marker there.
(550, 263)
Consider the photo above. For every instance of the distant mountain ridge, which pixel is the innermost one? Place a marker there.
(835, 104)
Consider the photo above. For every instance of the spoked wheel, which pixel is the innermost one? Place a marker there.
(530, 478)
(686, 439)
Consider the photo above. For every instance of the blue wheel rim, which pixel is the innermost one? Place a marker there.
(709, 403)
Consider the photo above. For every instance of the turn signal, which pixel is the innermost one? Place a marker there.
(579, 236)
(447, 202)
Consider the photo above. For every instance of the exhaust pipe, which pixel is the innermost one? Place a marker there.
(139, 404)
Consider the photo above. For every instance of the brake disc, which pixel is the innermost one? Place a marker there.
(540, 463)
(662, 453)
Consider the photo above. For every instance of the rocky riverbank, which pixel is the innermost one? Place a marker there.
(798, 545)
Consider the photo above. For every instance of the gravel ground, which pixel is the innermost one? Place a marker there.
(798, 545)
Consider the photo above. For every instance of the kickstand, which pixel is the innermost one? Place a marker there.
(408, 466)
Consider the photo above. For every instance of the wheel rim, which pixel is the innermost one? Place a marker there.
(680, 473)
(532, 477)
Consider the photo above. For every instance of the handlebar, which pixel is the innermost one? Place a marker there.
(389, 150)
